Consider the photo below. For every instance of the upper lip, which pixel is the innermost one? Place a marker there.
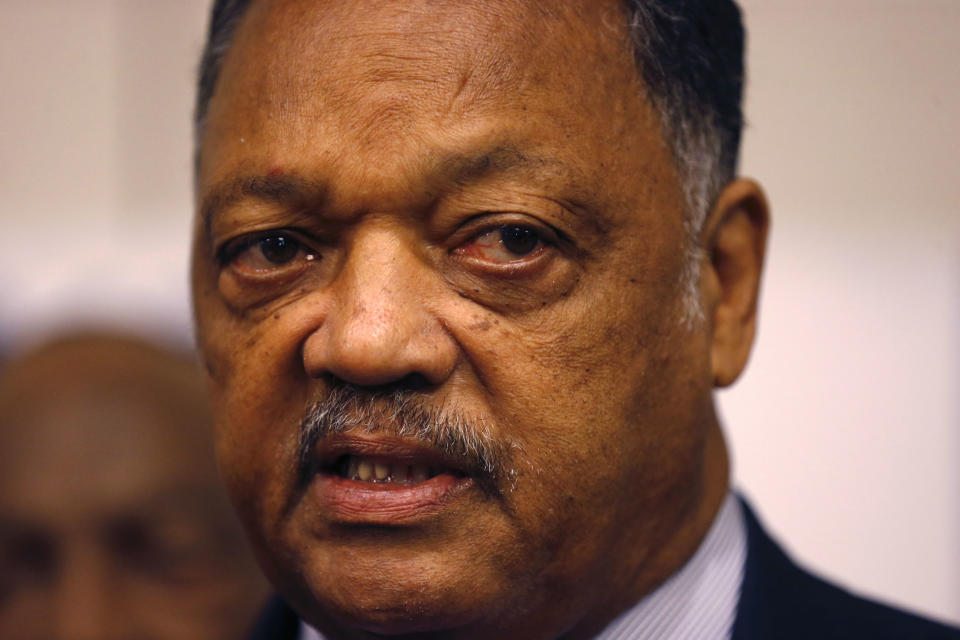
(329, 451)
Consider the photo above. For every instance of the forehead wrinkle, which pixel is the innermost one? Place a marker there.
(431, 50)
(374, 78)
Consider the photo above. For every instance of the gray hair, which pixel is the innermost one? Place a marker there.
(400, 411)
(690, 56)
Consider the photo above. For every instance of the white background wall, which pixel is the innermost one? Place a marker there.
(846, 426)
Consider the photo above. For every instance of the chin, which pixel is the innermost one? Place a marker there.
(398, 610)
(420, 593)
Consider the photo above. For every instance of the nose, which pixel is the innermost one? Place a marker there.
(87, 604)
(382, 327)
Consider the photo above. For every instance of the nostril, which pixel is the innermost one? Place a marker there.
(409, 382)
(412, 382)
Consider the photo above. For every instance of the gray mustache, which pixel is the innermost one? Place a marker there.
(405, 414)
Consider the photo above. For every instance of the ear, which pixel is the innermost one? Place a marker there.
(734, 239)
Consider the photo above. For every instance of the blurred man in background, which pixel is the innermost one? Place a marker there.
(113, 525)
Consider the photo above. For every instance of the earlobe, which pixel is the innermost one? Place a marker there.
(734, 238)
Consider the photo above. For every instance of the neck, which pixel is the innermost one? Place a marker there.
(683, 537)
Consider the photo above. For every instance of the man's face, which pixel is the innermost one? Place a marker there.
(472, 203)
(112, 521)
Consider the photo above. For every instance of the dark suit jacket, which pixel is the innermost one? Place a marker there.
(778, 601)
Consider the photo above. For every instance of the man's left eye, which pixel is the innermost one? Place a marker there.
(506, 243)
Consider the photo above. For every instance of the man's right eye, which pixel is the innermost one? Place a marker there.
(266, 253)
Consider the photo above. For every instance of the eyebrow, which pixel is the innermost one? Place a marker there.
(452, 168)
(465, 168)
(280, 188)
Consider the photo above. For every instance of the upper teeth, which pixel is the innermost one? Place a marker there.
(371, 470)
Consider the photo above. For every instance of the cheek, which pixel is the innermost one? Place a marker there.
(259, 395)
(597, 390)
(256, 358)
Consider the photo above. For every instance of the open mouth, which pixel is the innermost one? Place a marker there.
(380, 491)
(384, 481)
(386, 471)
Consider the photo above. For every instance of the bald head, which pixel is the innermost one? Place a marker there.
(107, 388)
(111, 514)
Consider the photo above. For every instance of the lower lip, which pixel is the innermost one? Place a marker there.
(355, 502)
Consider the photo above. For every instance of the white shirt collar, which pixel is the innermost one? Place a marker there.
(698, 601)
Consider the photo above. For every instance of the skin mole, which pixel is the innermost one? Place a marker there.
(481, 324)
